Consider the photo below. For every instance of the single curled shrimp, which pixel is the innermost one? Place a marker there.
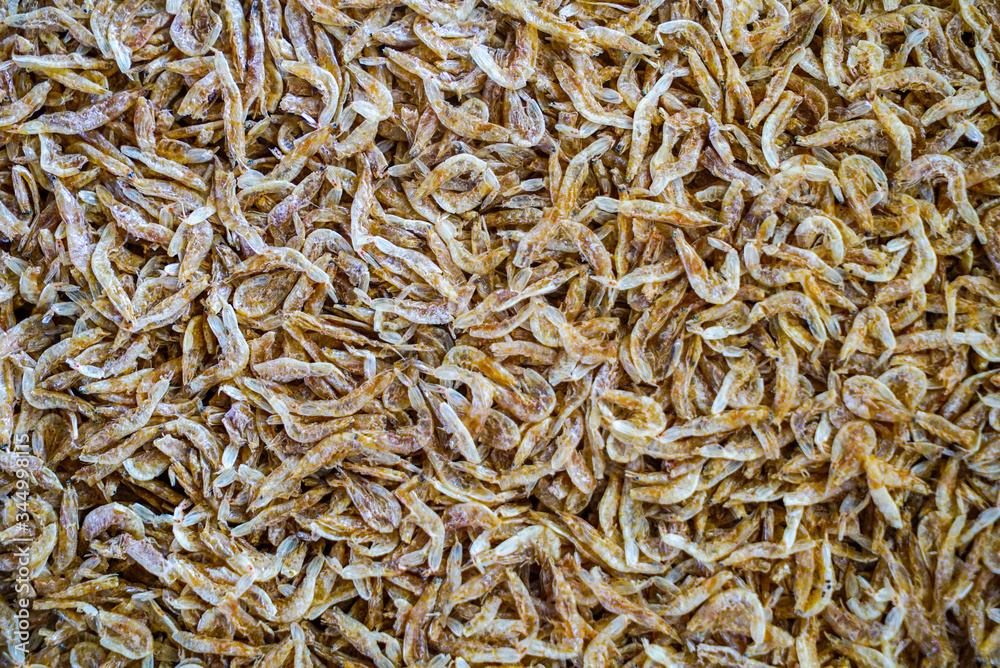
(871, 321)
(713, 289)
(791, 301)
(953, 172)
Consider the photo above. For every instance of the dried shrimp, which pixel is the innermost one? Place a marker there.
(449, 333)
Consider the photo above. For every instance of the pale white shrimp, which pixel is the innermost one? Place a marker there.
(323, 80)
(897, 131)
(643, 119)
(378, 106)
(696, 35)
(921, 271)
(775, 125)
(780, 185)
(713, 289)
(806, 258)
(854, 173)
(507, 78)
(812, 227)
(456, 165)
(793, 302)
(952, 171)
(978, 285)
(964, 100)
(870, 321)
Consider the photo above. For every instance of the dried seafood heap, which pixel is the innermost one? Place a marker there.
(498, 332)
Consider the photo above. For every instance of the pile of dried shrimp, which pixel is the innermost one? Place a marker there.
(499, 332)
